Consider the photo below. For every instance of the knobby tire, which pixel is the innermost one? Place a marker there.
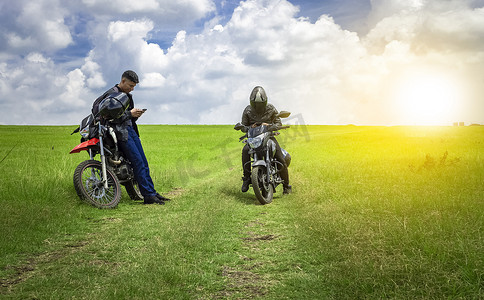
(263, 191)
(89, 187)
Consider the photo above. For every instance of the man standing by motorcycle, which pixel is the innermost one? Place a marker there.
(128, 136)
(259, 112)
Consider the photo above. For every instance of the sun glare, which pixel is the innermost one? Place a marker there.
(427, 99)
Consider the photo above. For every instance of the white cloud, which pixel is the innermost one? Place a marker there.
(93, 72)
(436, 25)
(36, 57)
(152, 80)
(40, 25)
(263, 44)
(124, 7)
(327, 74)
(73, 88)
(124, 31)
(163, 11)
(38, 93)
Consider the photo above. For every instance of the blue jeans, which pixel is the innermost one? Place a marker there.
(134, 152)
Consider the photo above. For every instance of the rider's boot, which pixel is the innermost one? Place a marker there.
(152, 200)
(245, 184)
(287, 189)
(161, 197)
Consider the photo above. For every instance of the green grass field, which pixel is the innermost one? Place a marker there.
(376, 212)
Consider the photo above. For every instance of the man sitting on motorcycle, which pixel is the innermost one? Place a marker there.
(128, 137)
(259, 112)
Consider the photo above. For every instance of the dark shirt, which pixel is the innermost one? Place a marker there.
(269, 116)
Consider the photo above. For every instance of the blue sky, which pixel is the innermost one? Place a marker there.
(364, 62)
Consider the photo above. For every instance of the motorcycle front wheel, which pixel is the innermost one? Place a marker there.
(263, 191)
(89, 185)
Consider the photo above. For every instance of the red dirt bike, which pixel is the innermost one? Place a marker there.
(98, 182)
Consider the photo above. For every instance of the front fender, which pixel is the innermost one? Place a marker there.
(259, 163)
(84, 145)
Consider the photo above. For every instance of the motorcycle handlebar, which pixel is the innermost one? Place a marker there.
(282, 127)
(239, 126)
(272, 130)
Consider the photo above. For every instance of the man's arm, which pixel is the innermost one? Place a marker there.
(245, 119)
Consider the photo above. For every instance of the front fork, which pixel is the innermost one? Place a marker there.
(268, 168)
(103, 157)
(103, 163)
(268, 165)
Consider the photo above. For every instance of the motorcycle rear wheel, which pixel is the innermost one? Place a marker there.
(262, 190)
(89, 185)
(133, 190)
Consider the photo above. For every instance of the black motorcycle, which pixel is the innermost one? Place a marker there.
(265, 174)
(98, 181)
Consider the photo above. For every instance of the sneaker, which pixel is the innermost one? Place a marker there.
(245, 185)
(152, 200)
(287, 190)
(161, 197)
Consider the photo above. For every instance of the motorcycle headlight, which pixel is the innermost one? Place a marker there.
(85, 132)
(255, 142)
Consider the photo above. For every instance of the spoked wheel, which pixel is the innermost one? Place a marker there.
(90, 187)
(133, 190)
(263, 191)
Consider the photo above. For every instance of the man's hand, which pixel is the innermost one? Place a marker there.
(136, 112)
